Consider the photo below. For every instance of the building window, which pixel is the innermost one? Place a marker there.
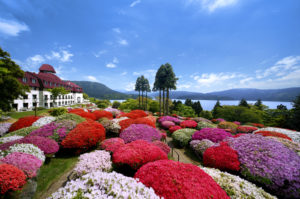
(33, 96)
(33, 81)
(51, 97)
(50, 84)
(25, 97)
(25, 105)
(24, 79)
(46, 97)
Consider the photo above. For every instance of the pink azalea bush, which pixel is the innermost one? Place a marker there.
(112, 144)
(140, 132)
(213, 134)
(167, 124)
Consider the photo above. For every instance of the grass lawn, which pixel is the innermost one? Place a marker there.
(52, 171)
(18, 115)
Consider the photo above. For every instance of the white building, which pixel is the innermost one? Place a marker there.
(40, 96)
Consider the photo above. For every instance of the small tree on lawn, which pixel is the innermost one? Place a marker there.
(197, 107)
(58, 91)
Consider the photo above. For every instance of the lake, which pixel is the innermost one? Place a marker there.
(209, 104)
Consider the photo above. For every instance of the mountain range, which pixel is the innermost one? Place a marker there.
(100, 91)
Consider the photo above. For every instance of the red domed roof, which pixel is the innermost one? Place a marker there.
(47, 68)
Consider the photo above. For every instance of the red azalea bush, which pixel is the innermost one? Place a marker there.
(163, 146)
(151, 118)
(257, 125)
(125, 124)
(86, 115)
(23, 122)
(144, 120)
(188, 124)
(137, 153)
(134, 114)
(85, 135)
(274, 134)
(171, 179)
(11, 178)
(239, 134)
(100, 114)
(172, 129)
(246, 129)
(112, 144)
(222, 157)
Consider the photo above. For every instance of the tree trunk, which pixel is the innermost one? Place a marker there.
(143, 100)
(146, 101)
(167, 101)
(159, 102)
(164, 102)
(139, 99)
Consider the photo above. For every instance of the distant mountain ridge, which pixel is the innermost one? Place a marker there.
(100, 91)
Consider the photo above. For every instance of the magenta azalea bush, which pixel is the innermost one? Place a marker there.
(163, 146)
(140, 132)
(167, 124)
(213, 134)
(169, 118)
(112, 144)
(269, 162)
(26, 162)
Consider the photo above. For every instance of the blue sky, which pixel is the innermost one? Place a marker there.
(212, 45)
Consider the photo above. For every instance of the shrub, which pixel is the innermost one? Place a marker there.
(47, 145)
(11, 178)
(94, 161)
(4, 127)
(10, 139)
(22, 132)
(182, 137)
(235, 186)
(245, 129)
(163, 146)
(140, 132)
(23, 122)
(172, 129)
(201, 119)
(188, 124)
(125, 123)
(112, 144)
(213, 134)
(167, 124)
(294, 135)
(206, 114)
(135, 114)
(289, 144)
(26, 162)
(137, 153)
(43, 121)
(144, 120)
(27, 148)
(86, 115)
(169, 118)
(58, 111)
(172, 179)
(268, 162)
(84, 136)
(228, 125)
(116, 104)
(199, 146)
(203, 124)
(273, 134)
(222, 157)
(114, 111)
(104, 185)
(70, 116)
(110, 125)
(101, 114)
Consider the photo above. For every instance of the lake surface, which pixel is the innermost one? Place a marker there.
(209, 104)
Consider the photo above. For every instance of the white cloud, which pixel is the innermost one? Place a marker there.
(214, 78)
(183, 86)
(66, 56)
(124, 73)
(123, 42)
(91, 78)
(243, 81)
(12, 28)
(212, 5)
(117, 30)
(130, 86)
(150, 73)
(135, 3)
(101, 52)
(111, 65)
(61, 55)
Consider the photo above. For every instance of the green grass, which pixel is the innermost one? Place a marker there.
(52, 171)
(18, 115)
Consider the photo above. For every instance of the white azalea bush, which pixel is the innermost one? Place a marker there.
(10, 138)
(43, 121)
(237, 187)
(27, 148)
(99, 184)
(99, 160)
(294, 135)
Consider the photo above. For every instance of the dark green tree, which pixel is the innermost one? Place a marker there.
(281, 107)
(197, 108)
(158, 84)
(138, 87)
(142, 84)
(116, 104)
(10, 87)
(244, 103)
(170, 83)
(146, 88)
(215, 109)
(188, 102)
(295, 120)
(259, 104)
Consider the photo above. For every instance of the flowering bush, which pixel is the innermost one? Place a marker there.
(202, 125)
(167, 124)
(199, 146)
(201, 119)
(182, 137)
(237, 123)
(104, 185)
(237, 187)
(151, 118)
(172, 179)
(222, 157)
(140, 132)
(273, 134)
(85, 135)
(125, 123)
(110, 126)
(268, 162)
(86, 115)
(256, 125)
(163, 146)
(112, 144)
(11, 178)
(218, 120)
(23, 131)
(23, 122)
(26, 162)
(294, 135)
(144, 120)
(43, 121)
(94, 161)
(213, 134)
(101, 114)
(10, 138)
(135, 114)
(188, 124)
(114, 111)
(70, 116)
(289, 144)
(172, 129)
(169, 118)
(228, 125)
(4, 127)
(47, 145)
(245, 129)
(27, 148)
(137, 153)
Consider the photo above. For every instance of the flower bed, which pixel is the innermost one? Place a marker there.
(47, 145)
(104, 185)
(246, 129)
(268, 162)
(11, 178)
(140, 132)
(112, 144)
(135, 114)
(144, 120)
(202, 125)
(4, 128)
(137, 153)
(222, 157)
(167, 124)
(10, 139)
(94, 161)
(86, 115)
(172, 129)
(213, 134)
(273, 134)
(294, 135)
(228, 125)
(182, 137)
(237, 187)
(23, 122)
(70, 116)
(27, 148)
(43, 121)
(22, 132)
(101, 114)
(110, 126)
(218, 120)
(114, 111)
(169, 118)
(172, 179)
(201, 119)
(84, 136)
(295, 146)
(188, 124)
(163, 146)
(125, 123)
(199, 146)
